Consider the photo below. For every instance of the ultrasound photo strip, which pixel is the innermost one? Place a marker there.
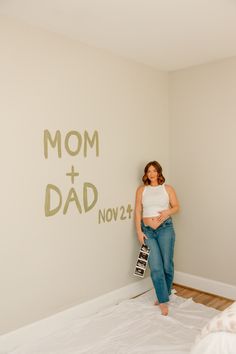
(141, 263)
(144, 248)
(139, 272)
(143, 255)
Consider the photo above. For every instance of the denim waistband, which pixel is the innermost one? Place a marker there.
(167, 222)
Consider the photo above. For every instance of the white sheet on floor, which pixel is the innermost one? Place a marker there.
(216, 343)
(133, 326)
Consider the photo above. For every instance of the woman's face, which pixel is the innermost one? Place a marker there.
(152, 174)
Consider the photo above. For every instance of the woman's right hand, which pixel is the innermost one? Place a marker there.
(141, 237)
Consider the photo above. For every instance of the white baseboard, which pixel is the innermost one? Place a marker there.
(45, 327)
(207, 285)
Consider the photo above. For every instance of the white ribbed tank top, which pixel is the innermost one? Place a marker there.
(154, 200)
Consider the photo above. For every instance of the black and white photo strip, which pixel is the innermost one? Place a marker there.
(141, 263)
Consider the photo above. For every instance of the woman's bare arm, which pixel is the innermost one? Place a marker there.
(174, 204)
(138, 214)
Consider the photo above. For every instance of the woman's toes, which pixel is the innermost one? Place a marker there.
(164, 309)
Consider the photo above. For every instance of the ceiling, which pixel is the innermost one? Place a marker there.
(165, 34)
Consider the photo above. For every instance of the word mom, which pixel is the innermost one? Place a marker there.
(73, 142)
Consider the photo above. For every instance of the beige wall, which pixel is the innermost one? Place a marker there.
(50, 82)
(203, 168)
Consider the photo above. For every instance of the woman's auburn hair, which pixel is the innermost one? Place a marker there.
(157, 166)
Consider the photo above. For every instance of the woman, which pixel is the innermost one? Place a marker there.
(155, 203)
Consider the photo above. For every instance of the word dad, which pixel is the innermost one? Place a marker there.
(88, 189)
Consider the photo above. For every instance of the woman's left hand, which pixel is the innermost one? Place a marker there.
(164, 215)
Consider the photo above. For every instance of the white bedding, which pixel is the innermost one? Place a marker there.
(216, 343)
(218, 336)
(133, 326)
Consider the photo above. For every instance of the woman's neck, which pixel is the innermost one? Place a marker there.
(155, 184)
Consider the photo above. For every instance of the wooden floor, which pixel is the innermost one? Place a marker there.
(218, 302)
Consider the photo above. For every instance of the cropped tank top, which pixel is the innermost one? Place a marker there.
(154, 200)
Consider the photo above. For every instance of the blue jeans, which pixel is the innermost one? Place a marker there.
(161, 243)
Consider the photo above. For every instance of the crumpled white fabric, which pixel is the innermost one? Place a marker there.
(218, 336)
(134, 326)
(224, 321)
(216, 343)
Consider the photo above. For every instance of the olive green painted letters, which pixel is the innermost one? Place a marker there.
(72, 197)
(91, 142)
(88, 207)
(79, 139)
(53, 142)
(47, 205)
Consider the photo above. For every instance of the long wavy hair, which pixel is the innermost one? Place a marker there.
(157, 166)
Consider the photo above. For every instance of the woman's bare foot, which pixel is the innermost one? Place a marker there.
(164, 309)
(156, 303)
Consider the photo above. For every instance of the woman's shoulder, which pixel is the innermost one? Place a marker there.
(140, 188)
(168, 187)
